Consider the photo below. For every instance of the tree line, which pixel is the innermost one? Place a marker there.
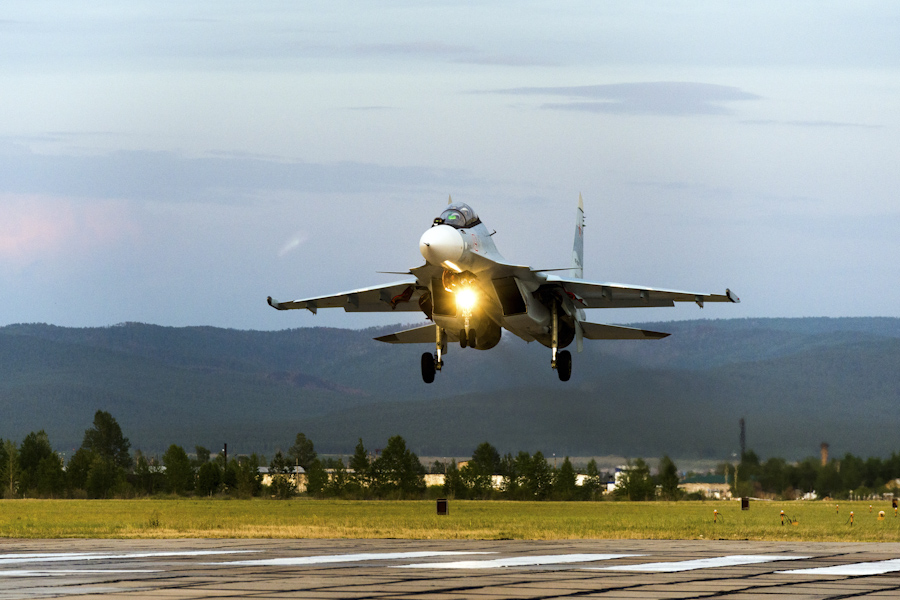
(847, 477)
(105, 467)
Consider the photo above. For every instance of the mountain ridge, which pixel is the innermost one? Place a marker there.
(797, 382)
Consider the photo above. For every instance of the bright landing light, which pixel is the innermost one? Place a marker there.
(466, 298)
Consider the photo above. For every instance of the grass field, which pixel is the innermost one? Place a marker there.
(175, 518)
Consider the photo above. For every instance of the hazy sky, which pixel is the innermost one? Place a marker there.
(177, 162)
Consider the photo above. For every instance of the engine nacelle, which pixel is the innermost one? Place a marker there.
(487, 334)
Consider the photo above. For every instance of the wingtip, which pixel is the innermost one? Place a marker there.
(580, 202)
(732, 296)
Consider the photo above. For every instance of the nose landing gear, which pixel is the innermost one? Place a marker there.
(467, 339)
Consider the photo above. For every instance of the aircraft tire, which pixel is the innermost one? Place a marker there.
(471, 338)
(428, 367)
(462, 338)
(564, 365)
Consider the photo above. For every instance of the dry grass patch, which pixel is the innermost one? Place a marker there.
(303, 518)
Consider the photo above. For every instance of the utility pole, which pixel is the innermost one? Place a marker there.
(743, 439)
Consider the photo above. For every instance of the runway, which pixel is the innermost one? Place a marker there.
(425, 570)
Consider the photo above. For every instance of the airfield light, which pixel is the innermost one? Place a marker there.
(466, 299)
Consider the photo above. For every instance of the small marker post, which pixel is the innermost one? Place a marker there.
(881, 515)
(782, 518)
(870, 508)
(715, 516)
(851, 518)
(837, 508)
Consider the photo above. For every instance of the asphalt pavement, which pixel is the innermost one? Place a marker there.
(446, 569)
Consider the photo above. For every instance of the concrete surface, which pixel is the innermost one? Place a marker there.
(424, 570)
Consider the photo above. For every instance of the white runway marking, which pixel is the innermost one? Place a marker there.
(864, 568)
(700, 563)
(53, 572)
(519, 561)
(337, 558)
(18, 559)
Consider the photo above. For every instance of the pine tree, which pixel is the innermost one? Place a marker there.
(564, 485)
(302, 452)
(105, 439)
(668, 479)
(359, 464)
(10, 469)
(593, 483)
(179, 474)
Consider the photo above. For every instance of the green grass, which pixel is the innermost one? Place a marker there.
(176, 518)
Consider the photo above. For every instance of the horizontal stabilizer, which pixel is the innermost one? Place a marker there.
(597, 331)
(419, 335)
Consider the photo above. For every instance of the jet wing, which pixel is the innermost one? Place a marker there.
(589, 294)
(596, 331)
(420, 335)
(400, 295)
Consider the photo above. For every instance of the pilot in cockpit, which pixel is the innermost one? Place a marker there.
(458, 215)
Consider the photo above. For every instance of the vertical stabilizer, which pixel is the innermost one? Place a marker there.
(578, 249)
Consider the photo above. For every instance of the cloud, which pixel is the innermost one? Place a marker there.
(34, 228)
(168, 176)
(412, 49)
(292, 244)
(451, 53)
(824, 124)
(667, 98)
(508, 60)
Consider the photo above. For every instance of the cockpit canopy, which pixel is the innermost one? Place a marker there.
(458, 215)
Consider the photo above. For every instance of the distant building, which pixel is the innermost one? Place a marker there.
(711, 486)
(434, 479)
(298, 474)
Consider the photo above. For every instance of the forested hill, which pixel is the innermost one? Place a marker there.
(798, 382)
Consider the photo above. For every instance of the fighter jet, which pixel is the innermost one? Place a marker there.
(470, 293)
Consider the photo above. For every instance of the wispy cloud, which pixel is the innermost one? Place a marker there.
(508, 60)
(292, 244)
(170, 177)
(450, 53)
(823, 124)
(371, 108)
(36, 228)
(669, 98)
(413, 49)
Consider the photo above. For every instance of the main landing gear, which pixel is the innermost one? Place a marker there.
(564, 365)
(432, 363)
(561, 361)
(428, 367)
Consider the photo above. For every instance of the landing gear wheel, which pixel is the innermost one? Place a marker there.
(428, 367)
(471, 339)
(462, 338)
(564, 365)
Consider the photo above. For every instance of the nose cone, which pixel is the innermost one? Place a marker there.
(441, 243)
